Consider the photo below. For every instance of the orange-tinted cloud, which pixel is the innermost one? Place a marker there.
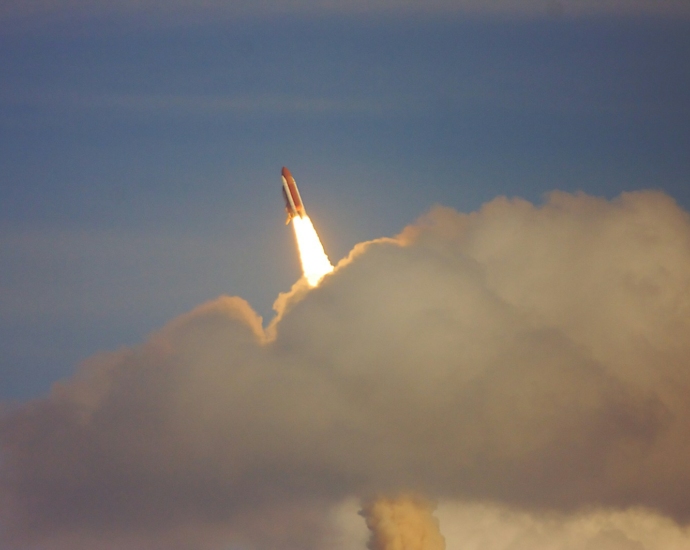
(405, 521)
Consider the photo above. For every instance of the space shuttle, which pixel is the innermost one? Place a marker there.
(293, 202)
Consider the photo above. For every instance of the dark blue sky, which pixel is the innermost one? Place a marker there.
(141, 161)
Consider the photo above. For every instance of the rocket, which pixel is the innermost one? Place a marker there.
(293, 202)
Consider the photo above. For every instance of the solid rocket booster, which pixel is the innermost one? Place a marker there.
(293, 201)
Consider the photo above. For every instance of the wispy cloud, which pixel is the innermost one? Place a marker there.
(184, 8)
(192, 104)
(489, 90)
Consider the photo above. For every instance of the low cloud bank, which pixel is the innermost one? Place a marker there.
(491, 526)
(532, 356)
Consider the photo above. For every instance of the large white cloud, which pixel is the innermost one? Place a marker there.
(536, 356)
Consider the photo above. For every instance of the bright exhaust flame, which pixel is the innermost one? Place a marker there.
(315, 263)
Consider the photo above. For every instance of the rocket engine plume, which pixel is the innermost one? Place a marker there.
(315, 263)
(403, 523)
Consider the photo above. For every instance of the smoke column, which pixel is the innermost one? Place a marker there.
(402, 523)
(315, 263)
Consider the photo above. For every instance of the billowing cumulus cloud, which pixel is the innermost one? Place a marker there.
(536, 357)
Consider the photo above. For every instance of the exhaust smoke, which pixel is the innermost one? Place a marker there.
(528, 364)
(402, 523)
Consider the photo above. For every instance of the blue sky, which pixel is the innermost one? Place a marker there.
(141, 148)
